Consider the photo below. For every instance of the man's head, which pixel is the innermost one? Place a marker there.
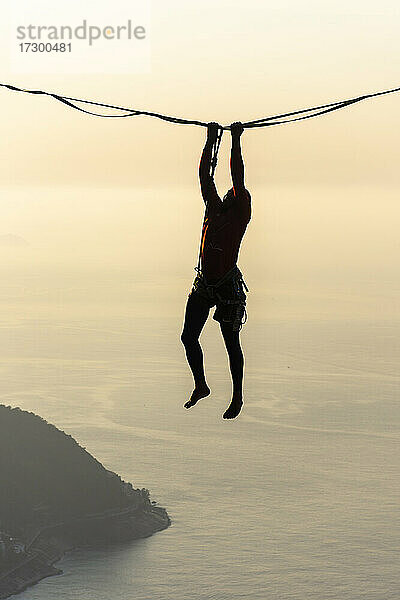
(228, 199)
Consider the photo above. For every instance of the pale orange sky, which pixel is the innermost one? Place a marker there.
(324, 190)
(223, 61)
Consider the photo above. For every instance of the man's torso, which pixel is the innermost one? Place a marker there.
(222, 235)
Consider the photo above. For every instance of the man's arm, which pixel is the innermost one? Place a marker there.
(208, 189)
(237, 166)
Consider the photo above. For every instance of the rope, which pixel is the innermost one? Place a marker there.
(307, 113)
(214, 154)
(213, 164)
(130, 112)
(329, 107)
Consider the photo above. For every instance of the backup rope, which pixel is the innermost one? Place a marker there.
(297, 115)
(214, 154)
(213, 164)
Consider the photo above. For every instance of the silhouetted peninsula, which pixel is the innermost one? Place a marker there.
(55, 496)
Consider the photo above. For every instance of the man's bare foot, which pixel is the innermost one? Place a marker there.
(198, 393)
(234, 408)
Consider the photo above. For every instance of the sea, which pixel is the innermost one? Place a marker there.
(296, 499)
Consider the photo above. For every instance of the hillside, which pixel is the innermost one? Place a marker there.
(55, 496)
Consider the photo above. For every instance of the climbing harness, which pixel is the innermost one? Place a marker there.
(228, 293)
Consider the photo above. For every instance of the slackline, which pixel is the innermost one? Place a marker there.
(297, 115)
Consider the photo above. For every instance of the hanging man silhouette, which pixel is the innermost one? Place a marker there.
(219, 282)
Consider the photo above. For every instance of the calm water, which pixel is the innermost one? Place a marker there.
(297, 499)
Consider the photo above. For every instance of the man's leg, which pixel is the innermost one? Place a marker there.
(236, 363)
(197, 309)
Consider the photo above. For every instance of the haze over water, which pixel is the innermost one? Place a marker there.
(297, 498)
(100, 226)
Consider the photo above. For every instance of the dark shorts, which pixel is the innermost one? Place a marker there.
(229, 298)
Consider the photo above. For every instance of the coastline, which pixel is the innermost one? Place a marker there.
(51, 543)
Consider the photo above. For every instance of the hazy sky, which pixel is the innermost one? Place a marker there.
(223, 61)
(324, 191)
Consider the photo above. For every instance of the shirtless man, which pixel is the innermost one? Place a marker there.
(219, 282)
